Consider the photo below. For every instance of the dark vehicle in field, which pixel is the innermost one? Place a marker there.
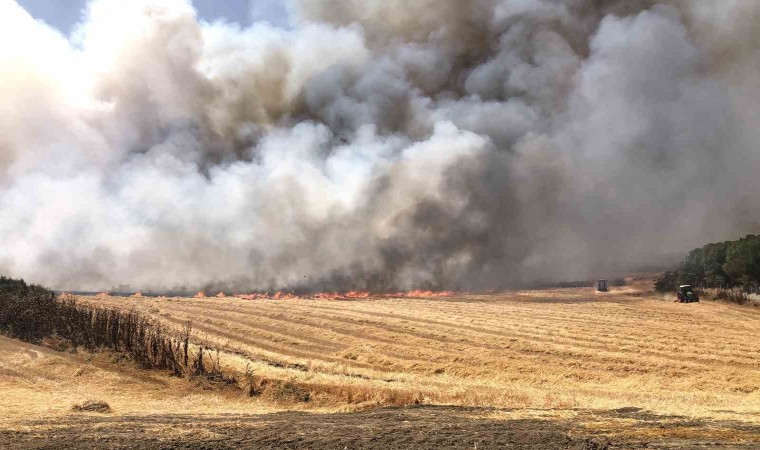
(686, 294)
(601, 286)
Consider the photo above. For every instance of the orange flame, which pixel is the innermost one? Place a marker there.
(221, 295)
(200, 294)
(279, 295)
(137, 294)
(351, 295)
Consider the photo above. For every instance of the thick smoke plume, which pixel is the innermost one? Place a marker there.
(377, 144)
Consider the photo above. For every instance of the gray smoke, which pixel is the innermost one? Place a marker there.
(377, 144)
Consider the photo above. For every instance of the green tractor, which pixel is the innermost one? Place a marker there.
(686, 294)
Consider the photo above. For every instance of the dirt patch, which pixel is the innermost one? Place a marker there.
(398, 428)
(419, 428)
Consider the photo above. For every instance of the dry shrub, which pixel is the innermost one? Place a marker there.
(732, 296)
(37, 315)
(736, 296)
(92, 406)
(290, 391)
(400, 397)
(57, 344)
(281, 391)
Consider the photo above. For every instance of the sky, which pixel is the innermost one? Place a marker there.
(64, 14)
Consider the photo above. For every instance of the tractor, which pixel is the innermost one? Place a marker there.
(686, 294)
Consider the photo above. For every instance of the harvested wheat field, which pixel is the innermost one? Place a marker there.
(569, 348)
(625, 367)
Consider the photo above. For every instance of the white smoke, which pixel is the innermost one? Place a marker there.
(374, 144)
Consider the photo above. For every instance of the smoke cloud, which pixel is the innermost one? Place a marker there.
(375, 144)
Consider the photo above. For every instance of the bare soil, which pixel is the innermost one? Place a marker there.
(419, 427)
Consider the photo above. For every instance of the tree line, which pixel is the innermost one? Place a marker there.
(729, 264)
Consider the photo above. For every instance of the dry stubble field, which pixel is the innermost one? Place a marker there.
(558, 349)
(624, 364)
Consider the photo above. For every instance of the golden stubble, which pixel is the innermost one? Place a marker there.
(550, 353)
(556, 349)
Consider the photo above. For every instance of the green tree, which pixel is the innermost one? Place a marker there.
(742, 264)
(730, 263)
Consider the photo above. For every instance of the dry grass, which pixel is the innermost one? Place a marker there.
(41, 384)
(558, 349)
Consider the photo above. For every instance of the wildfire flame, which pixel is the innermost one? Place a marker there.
(352, 295)
(282, 295)
(279, 295)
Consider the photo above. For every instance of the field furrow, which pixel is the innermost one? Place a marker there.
(553, 348)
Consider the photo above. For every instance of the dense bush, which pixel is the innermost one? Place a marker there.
(722, 264)
(33, 313)
(668, 281)
(731, 296)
